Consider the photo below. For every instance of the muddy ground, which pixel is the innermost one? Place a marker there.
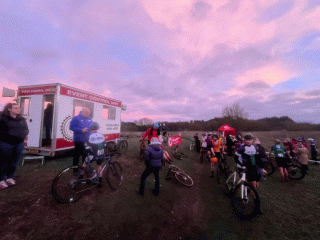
(28, 210)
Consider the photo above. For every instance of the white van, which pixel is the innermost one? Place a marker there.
(49, 109)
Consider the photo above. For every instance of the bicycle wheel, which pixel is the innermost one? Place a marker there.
(123, 146)
(114, 175)
(270, 168)
(295, 172)
(245, 200)
(142, 152)
(184, 178)
(67, 185)
(192, 147)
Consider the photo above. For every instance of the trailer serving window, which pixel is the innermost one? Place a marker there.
(109, 112)
(78, 105)
(25, 105)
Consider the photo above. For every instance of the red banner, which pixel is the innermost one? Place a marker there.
(174, 140)
(87, 96)
(40, 90)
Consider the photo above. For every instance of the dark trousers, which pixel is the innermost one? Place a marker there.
(9, 157)
(198, 145)
(145, 175)
(79, 150)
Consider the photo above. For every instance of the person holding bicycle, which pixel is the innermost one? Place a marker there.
(302, 154)
(281, 156)
(216, 151)
(96, 143)
(151, 133)
(154, 161)
(251, 161)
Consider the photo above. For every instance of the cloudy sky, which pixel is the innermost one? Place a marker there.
(170, 60)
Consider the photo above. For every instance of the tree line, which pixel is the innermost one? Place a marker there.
(240, 124)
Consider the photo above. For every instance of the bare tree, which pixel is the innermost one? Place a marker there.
(143, 122)
(234, 112)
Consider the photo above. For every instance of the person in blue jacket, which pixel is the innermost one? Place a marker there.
(80, 125)
(154, 161)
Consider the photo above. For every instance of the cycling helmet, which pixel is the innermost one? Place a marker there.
(248, 137)
(278, 141)
(94, 126)
(300, 139)
(156, 125)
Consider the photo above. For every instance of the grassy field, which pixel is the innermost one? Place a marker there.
(28, 210)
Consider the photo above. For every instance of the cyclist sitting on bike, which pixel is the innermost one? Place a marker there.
(281, 156)
(251, 161)
(96, 144)
(152, 132)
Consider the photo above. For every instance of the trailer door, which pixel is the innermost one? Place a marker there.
(34, 120)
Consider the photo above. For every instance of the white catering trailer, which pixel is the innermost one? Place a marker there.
(49, 109)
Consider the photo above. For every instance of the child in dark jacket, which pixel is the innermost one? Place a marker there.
(154, 161)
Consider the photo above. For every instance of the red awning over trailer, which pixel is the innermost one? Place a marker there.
(227, 130)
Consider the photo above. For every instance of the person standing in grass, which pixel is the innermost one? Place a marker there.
(154, 161)
(216, 151)
(281, 156)
(13, 131)
(302, 154)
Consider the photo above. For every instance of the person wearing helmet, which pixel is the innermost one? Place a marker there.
(152, 132)
(250, 160)
(281, 156)
(96, 143)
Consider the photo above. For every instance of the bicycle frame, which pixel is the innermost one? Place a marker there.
(233, 176)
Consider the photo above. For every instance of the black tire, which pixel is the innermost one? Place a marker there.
(248, 207)
(295, 172)
(142, 153)
(123, 146)
(184, 179)
(230, 185)
(114, 175)
(192, 147)
(270, 168)
(67, 185)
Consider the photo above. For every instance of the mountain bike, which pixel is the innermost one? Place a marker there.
(178, 154)
(180, 175)
(245, 199)
(72, 183)
(295, 171)
(122, 144)
(142, 149)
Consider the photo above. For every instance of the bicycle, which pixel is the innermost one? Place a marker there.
(180, 175)
(72, 183)
(178, 154)
(121, 145)
(142, 150)
(223, 171)
(245, 199)
(193, 146)
(295, 171)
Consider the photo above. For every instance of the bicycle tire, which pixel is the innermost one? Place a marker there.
(248, 207)
(114, 175)
(67, 187)
(295, 172)
(270, 168)
(142, 152)
(192, 147)
(123, 146)
(184, 178)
